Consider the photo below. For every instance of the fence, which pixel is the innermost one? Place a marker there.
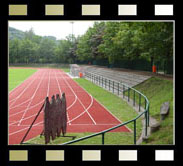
(163, 66)
(125, 90)
(43, 65)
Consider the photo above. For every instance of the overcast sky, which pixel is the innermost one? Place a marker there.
(59, 29)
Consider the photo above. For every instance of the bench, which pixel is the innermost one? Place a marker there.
(164, 110)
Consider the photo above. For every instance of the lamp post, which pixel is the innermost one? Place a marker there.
(72, 29)
(72, 40)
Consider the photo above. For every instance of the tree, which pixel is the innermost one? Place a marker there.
(14, 51)
(29, 50)
(88, 44)
(46, 51)
(108, 47)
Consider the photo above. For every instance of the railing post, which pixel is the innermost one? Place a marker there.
(123, 91)
(109, 85)
(99, 80)
(103, 138)
(145, 104)
(134, 98)
(102, 82)
(146, 124)
(128, 94)
(139, 101)
(118, 88)
(148, 115)
(105, 83)
(113, 87)
(135, 132)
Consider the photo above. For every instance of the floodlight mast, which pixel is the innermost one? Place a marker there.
(72, 30)
(72, 22)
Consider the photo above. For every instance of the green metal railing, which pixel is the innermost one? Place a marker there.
(119, 88)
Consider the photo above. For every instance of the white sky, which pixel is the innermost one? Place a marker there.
(59, 29)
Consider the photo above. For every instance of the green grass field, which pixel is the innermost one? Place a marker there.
(17, 76)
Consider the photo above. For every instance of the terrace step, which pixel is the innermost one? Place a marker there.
(130, 79)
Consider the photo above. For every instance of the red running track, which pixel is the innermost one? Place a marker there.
(84, 113)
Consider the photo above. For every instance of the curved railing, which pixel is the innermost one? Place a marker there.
(118, 88)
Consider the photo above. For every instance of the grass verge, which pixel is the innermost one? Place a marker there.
(159, 91)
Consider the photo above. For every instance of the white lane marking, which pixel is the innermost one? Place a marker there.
(86, 109)
(48, 88)
(73, 125)
(13, 90)
(19, 104)
(24, 129)
(102, 105)
(61, 94)
(15, 99)
(32, 115)
(31, 100)
(26, 107)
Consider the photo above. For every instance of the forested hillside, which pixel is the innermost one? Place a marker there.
(15, 33)
(118, 44)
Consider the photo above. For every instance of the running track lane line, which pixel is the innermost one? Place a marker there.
(35, 106)
(22, 91)
(86, 109)
(41, 125)
(108, 111)
(76, 98)
(21, 82)
(24, 110)
(31, 100)
(39, 122)
(35, 114)
(29, 117)
(100, 104)
(38, 104)
(61, 94)
(25, 129)
(24, 107)
(28, 100)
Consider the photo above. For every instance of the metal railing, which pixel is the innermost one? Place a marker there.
(118, 88)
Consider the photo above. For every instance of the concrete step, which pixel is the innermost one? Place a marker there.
(120, 76)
